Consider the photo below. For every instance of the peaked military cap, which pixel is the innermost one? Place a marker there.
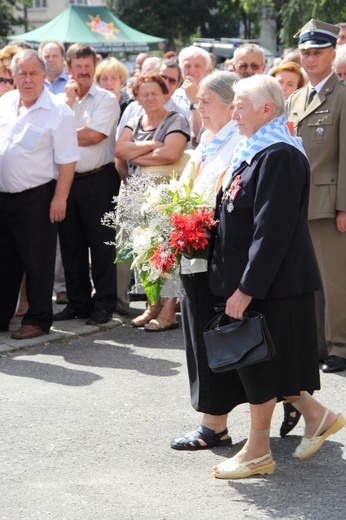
(317, 34)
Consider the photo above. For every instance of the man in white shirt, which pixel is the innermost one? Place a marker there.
(96, 112)
(38, 153)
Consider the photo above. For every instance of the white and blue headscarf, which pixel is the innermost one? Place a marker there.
(206, 150)
(274, 132)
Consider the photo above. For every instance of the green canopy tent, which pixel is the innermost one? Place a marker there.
(95, 26)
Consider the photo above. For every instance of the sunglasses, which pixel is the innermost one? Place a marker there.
(6, 80)
(172, 81)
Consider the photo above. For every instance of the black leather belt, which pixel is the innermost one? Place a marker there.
(82, 175)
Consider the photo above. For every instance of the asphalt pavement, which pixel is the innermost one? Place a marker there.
(87, 414)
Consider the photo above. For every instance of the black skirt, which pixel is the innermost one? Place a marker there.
(215, 394)
(295, 367)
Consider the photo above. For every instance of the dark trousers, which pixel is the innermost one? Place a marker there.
(27, 245)
(90, 198)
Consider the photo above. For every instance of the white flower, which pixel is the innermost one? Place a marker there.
(141, 240)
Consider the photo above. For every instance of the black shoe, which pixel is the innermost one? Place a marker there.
(291, 419)
(333, 364)
(191, 441)
(98, 317)
(69, 314)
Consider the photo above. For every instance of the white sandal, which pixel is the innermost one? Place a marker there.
(232, 470)
(308, 447)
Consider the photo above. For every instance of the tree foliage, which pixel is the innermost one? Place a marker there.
(181, 19)
(8, 20)
(168, 19)
(295, 13)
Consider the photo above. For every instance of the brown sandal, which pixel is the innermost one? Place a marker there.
(147, 315)
(161, 324)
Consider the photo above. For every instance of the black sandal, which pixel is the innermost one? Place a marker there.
(191, 441)
(291, 419)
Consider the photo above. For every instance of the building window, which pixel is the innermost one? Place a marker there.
(78, 2)
(38, 4)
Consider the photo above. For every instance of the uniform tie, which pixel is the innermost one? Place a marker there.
(310, 97)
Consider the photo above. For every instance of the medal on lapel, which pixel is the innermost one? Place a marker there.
(230, 194)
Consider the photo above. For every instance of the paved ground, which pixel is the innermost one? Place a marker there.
(86, 417)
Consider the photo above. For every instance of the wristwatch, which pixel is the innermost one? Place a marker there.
(193, 106)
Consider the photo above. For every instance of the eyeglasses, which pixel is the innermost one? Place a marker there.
(245, 66)
(170, 80)
(6, 80)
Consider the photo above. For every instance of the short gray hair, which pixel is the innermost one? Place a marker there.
(187, 52)
(249, 48)
(221, 83)
(261, 89)
(27, 54)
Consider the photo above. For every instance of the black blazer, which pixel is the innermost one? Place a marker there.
(263, 246)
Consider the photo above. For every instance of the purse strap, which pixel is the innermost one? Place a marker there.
(160, 125)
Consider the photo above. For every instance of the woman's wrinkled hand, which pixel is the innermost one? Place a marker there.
(237, 304)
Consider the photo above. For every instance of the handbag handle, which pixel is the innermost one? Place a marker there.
(220, 308)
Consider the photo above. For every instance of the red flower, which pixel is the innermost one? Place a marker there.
(191, 230)
(162, 259)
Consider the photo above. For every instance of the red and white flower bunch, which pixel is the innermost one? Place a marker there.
(174, 221)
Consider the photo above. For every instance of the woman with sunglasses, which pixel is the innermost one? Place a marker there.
(6, 81)
(6, 55)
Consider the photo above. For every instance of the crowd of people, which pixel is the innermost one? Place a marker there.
(74, 128)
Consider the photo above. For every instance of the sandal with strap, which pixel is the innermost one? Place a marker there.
(291, 419)
(308, 447)
(147, 316)
(191, 441)
(231, 469)
(160, 324)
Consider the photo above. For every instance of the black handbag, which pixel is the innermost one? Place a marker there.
(232, 344)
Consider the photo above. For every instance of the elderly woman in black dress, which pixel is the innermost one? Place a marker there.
(262, 260)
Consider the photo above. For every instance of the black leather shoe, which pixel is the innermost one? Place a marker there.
(69, 314)
(333, 364)
(98, 317)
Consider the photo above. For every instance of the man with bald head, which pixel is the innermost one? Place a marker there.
(53, 53)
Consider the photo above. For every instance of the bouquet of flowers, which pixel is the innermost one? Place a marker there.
(170, 221)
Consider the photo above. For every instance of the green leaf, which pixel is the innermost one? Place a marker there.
(125, 253)
(152, 289)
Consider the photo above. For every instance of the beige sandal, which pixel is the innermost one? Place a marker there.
(147, 316)
(161, 324)
(230, 469)
(308, 447)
